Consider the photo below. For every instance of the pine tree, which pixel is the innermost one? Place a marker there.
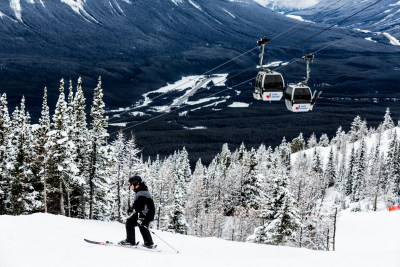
(387, 122)
(350, 173)
(62, 167)
(98, 137)
(41, 168)
(358, 129)
(177, 218)
(22, 194)
(359, 173)
(194, 209)
(4, 141)
(312, 141)
(330, 170)
(251, 185)
(324, 140)
(280, 216)
(393, 171)
(80, 137)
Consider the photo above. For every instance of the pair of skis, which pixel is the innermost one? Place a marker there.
(111, 244)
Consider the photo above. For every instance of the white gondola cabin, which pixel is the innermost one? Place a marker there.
(269, 86)
(298, 98)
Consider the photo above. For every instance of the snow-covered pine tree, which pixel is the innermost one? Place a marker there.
(359, 173)
(316, 174)
(280, 215)
(163, 191)
(119, 175)
(70, 111)
(312, 141)
(324, 140)
(4, 140)
(393, 171)
(98, 134)
(251, 184)
(134, 166)
(80, 137)
(330, 170)
(375, 177)
(40, 166)
(177, 219)
(358, 129)
(194, 208)
(23, 197)
(387, 121)
(62, 167)
(350, 173)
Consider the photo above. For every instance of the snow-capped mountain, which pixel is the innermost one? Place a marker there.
(286, 5)
(141, 46)
(383, 18)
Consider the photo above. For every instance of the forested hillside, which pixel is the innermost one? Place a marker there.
(289, 194)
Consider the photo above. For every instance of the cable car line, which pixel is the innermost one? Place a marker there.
(311, 22)
(307, 39)
(205, 73)
(302, 22)
(276, 37)
(161, 115)
(331, 26)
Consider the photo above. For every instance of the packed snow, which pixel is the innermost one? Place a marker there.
(195, 5)
(392, 39)
(239, 105)
(288, 4)
(16, 7)
(296, 17)
(188, 84)
(363, 239)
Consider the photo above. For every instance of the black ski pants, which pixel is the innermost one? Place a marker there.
(131, 222)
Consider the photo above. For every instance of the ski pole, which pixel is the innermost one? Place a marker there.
(161, 239)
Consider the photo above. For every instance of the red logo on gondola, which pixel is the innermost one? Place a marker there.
(297, 107)
(268, 96)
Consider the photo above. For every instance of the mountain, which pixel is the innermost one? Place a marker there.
(358, 234)
(140, 46)
(382, 18)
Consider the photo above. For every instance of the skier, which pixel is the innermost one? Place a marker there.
(143, 206)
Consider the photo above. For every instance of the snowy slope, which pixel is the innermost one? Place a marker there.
(50, 240)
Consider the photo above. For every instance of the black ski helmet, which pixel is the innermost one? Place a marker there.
(135, 180)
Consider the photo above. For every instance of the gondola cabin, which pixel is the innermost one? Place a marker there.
(269, 86)
(298, 98)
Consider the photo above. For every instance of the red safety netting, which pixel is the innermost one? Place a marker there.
(392, 208)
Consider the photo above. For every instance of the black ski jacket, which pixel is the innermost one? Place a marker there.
(143, 203)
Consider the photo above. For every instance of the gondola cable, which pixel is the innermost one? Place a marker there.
(275, 56)
(205, 73)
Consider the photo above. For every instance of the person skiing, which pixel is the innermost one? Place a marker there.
(143, 206)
